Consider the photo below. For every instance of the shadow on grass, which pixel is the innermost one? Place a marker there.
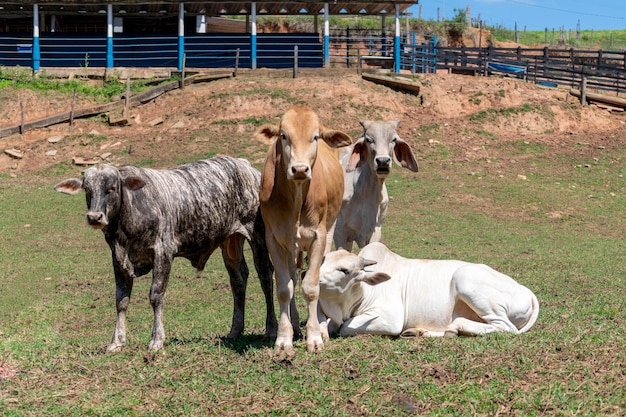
(240, 345)
(244, 343)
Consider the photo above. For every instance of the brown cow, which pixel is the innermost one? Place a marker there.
(301, 193)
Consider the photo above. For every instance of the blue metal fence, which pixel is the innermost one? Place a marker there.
(162, 50)
(65, 50)
(145, 51)
(274, 50)
(419, 53)
(16, 49)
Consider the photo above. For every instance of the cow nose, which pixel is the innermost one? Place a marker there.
(383, 164)
(96, 219)
(300, 171)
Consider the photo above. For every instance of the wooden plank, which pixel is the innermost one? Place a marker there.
(394, 82)
(614, 101)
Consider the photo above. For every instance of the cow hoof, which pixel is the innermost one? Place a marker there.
(114, 348)
(234, 334)
(315, 346)
(449, 334)
(155, 346)
(409, 334)
(284, 353)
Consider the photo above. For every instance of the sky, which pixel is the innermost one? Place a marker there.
(533, 14)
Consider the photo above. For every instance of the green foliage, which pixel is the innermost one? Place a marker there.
(492, 114)
(18, 77)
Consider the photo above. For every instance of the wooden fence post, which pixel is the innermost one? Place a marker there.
(295, 61)
(583, 91)
(72, 110)
(236, 63)
(127, 98)
(182, 74)
(21, 118)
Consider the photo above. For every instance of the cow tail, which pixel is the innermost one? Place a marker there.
(533, 316)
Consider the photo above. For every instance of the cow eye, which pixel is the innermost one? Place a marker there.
(369, 140)
(344, 271)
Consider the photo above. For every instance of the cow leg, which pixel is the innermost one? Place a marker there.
(284, 269)
(466, 327)
(265, 271)
(370, 324)
(339, 236)
(123, 289)
(311, 291)
(160, 277)
(235, 263)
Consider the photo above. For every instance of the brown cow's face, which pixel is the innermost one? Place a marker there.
(299, 135)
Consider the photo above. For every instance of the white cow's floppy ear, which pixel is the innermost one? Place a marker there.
(368, 262)
(374, 278)
(359, 155)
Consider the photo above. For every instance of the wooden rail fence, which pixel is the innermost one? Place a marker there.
(603, 70)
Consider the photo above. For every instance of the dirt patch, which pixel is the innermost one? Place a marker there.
(460, 112)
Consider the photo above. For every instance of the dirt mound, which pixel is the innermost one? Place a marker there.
(222, 116)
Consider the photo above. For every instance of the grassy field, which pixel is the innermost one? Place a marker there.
(552, 220)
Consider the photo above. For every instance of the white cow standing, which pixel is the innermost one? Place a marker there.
(366, 165)
(380, 292)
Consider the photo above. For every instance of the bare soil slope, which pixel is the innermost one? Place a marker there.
(462, 113)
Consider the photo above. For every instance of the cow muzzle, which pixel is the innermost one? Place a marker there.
(97, 219)
(300, 172)
(383, 166)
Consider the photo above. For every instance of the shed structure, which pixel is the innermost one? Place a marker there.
(140, 33)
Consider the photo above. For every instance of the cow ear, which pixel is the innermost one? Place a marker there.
(335, 138)
(267, 133)
(133, 183)
(358, 156)
(404, 155)
(269, 171)
(69, 186)
(365, 123)
(375, 278)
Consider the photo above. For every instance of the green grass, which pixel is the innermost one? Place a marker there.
(20, 77)
(559, 231)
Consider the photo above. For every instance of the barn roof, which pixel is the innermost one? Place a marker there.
(210, 8)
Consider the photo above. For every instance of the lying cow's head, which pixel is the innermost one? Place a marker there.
(298, 134)
(103, 186)
(341, 271)
(379, 144)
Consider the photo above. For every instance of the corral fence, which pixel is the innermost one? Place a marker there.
(274, 50)
(357, 48)
(223, 50)
(602, 70)
(348, 48)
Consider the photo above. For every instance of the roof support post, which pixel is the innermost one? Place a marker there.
(396, 41)
(253, 36)
(35, 46)
(181, 35)
(326, 37)
(109, 35)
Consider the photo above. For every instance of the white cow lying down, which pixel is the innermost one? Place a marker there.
(380, 292)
